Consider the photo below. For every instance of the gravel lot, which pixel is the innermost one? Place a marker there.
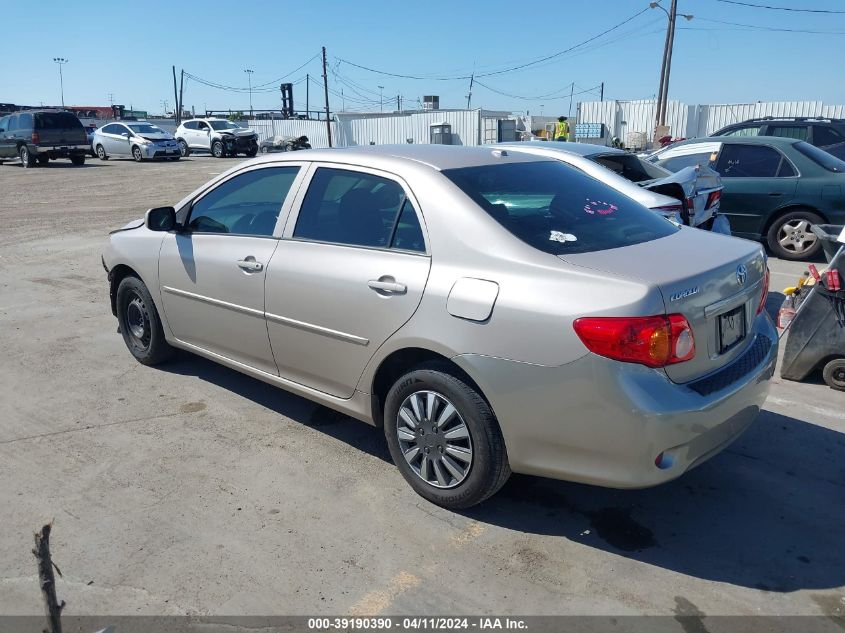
(193, 489)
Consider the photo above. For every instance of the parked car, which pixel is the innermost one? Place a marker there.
(218, 136)
(820, 132)
(691, 196)
(38, 136)
(138, 139)
(775, 188)
(281, 143)
(89, 132)
(493, 311)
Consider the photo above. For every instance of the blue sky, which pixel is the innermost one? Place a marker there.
(127, 49)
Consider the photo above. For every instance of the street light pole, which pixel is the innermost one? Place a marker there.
(665, 69)
(61, 61)
(249, 72)
(381, 98)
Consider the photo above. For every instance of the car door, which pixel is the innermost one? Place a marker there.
(112, 141)
(201, 137)
(212, 271)
(11, 142)
(349, 272)
(4, 143)
(758, 180)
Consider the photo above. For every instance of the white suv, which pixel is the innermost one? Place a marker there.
(218, 136)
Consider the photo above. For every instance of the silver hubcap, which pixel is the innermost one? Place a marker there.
(138, 322)
(100, 151)
(434, 439)
(218, 150)
(137, 154)
(795, 236)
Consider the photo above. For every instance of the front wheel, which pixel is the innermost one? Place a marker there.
(834, 374)
(217, 149)
(790, 236)
(444, 438)
(140, 324)
(252, 151)
(136, 154)
(184, 150)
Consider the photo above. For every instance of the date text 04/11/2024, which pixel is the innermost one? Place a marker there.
(415, 623)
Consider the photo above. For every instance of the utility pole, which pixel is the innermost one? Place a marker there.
(381, 98)
(249, 72)
(61, 61)
(601, 97)
(665, 68)
(398, 105)
(307, 96)
(326, 92)
(571, 90)
(469, 94)
(175, 95)
(181, 103)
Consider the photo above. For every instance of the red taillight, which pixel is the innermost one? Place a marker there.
(765, 296)
(713, 198)
(654, 341)
(36, 138)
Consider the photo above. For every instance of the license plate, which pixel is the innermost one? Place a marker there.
(170, 151)
(731, 328)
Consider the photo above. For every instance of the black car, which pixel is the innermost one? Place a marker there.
(41, 135)
(820, 132)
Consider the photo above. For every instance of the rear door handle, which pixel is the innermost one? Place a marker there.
(249, 264)
(386, 285)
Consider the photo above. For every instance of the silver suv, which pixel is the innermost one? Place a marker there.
(221, 137)
(493, 311)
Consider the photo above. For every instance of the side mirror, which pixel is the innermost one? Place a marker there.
(161, 219)
(126, 134)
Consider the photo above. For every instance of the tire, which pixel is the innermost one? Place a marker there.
(43, 160)
(834, 374)
(101, 153)
(136, 154)
(217, 149)
(790, 236)
(460, 484)
(78, 161)
(184, 150)
(140, 324)
(252, 152)
(27, 159)
(263, 150)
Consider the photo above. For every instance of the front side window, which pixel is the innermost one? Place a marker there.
(248, 204)
(789, 131)
(4, 123)
(558, 209)
(744, 131)
(748, 161)
(202, 125)
(356, 209)
(13, 122)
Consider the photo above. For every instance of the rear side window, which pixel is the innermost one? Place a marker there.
(630, 167)
(789, 131)
(676, 163)
(358, 209)
(248, 204)
(558, 209)
(748, 161)
(25, 121)
(744, 131)
(821, 157)
(824, 135)
(56, 121)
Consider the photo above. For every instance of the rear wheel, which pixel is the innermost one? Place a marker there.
(78, 160)
(136, 154)
(43, 159)
(444, 438)
(140, 324)
(790, 236)
(27, 159)
(217, 149)
(101, 153)
(184, 150)
(834, 374)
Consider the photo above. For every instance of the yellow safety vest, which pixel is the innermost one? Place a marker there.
(562, 129)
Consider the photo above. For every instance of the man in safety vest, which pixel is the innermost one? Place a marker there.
(562, 129)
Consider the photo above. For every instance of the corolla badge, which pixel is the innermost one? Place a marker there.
(741, 274)
(683, 294)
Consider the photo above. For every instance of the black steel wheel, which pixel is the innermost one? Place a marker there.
(140, 324)
(834, 374)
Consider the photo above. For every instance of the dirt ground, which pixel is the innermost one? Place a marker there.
(193, 489)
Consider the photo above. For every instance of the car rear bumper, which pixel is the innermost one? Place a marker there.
(60, 151)
(602, 422)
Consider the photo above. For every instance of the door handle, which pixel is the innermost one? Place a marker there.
(775, 193)
(387, 285)
(249, 264)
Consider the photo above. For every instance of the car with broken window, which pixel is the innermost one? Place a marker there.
(491, 311)
(775, 189)
(690, 196)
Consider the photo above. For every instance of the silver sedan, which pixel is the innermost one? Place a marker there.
(492, 311)
(137, 139)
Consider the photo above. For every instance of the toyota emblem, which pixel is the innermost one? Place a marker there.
(741, 274)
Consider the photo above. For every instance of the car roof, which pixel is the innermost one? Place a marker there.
(581, 149)
(439, 157)
(779, 141)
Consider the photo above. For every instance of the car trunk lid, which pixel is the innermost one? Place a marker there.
(716, 282)
(693, 187)
(59, 128)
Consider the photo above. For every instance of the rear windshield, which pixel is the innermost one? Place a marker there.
(821, 157)
(56, 121)
(558, 209)
(630, 167)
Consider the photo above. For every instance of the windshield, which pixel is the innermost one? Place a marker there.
(630, 167)
(821, 157)
(223, 125)
(145, 128)
(558, 209)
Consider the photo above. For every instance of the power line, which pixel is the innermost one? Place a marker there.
(504, 70)
(773, 8)
(770, 28)
(257, 88)
(549, 96)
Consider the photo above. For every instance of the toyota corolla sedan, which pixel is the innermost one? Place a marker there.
(492, 311)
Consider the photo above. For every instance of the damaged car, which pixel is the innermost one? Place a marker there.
(690, 197)
(220, 137)
(136, 139)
